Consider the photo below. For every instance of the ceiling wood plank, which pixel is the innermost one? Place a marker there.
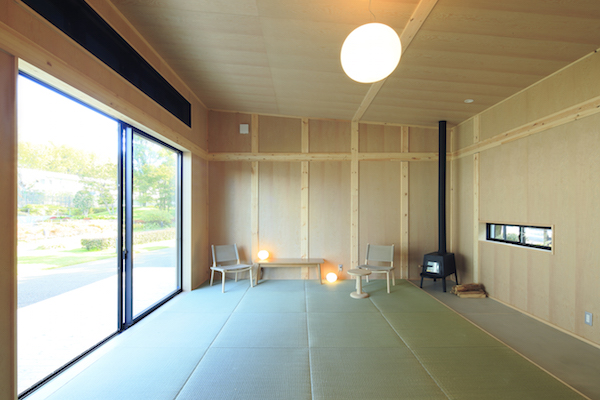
(282, 57)
(408, 34)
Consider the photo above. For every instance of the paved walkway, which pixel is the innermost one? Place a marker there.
(54, 331)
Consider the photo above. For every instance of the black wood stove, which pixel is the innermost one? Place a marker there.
(441, 263)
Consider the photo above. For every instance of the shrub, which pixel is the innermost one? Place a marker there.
(44, 209)
(157, 217)
(99, 243)
(94, 244)
(153, 236)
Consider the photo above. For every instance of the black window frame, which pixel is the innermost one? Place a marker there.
(491, 234)
(124, 321)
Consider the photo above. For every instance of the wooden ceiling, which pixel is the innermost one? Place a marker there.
(282, 56)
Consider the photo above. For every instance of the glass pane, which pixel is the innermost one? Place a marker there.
(155, 249)
(538, 236)
(67, 228)
(497, 231)
(512, 233)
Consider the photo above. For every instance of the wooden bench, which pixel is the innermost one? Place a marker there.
(290, 262)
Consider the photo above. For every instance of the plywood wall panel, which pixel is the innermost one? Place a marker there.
(463, 135)
(279, 208)
(424, 140)
(200, 124)
(200, 253)
(379, 138)
(224, 132)
(576, 84)
(423, 225)
(486, 252)
(329, 215)
(504, 181)
(379, 206)
(279, 134)
(329, 136)
(559, 170)
(569, 87)
(538, 283)
(461, 230)
(230, 205)
(518, 283)
(494, 120)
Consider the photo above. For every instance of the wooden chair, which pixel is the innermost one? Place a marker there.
(226, 259)
(380, 255)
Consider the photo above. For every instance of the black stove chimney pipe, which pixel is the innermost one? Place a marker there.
(440, 264)
(442, 188)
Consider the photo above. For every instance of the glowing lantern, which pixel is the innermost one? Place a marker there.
(371, 53)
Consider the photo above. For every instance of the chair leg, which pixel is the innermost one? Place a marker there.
(212, 275)
(250, 276)
(393, 277)
(223, 282)
(236, 277)
(388, 281)
(421, 281)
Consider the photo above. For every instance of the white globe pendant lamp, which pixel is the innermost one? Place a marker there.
(371, 53)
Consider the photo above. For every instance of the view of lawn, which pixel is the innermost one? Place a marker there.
(65, 258)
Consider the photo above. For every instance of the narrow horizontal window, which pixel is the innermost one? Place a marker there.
(539, 237)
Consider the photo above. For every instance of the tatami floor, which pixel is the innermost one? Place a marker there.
(301, 340)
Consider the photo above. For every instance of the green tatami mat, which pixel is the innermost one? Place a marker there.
(404, 298)
(490, 373)
(370, 373)
(176, 330)
(438, 330)
(208, 299)
(264, 330)
(282, 286)
(337, 302)
(289, 340)
(351, 330)
(272, 301)
(246, 374)
(133, 374)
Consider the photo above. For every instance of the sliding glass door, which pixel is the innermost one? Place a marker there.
(67, 227)
(99, 229)
(153, 217)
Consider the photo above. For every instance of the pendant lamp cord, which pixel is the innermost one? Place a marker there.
(374, 17)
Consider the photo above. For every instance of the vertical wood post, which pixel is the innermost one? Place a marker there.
(404, 199)
(476, 139)
(304, 231)
(254, 190)
(8, 216)
(354, 239)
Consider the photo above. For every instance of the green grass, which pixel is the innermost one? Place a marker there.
(152, 248)
(65, 258)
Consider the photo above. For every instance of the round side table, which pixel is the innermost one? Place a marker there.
(358, 274)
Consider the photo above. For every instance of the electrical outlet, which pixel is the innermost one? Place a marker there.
(588, 318)
(340, 267)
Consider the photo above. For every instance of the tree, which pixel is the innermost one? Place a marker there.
(53, 158)
(83, 201)
(154, 176)
(101, 182)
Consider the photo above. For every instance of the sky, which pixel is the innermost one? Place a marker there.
(45, 116)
